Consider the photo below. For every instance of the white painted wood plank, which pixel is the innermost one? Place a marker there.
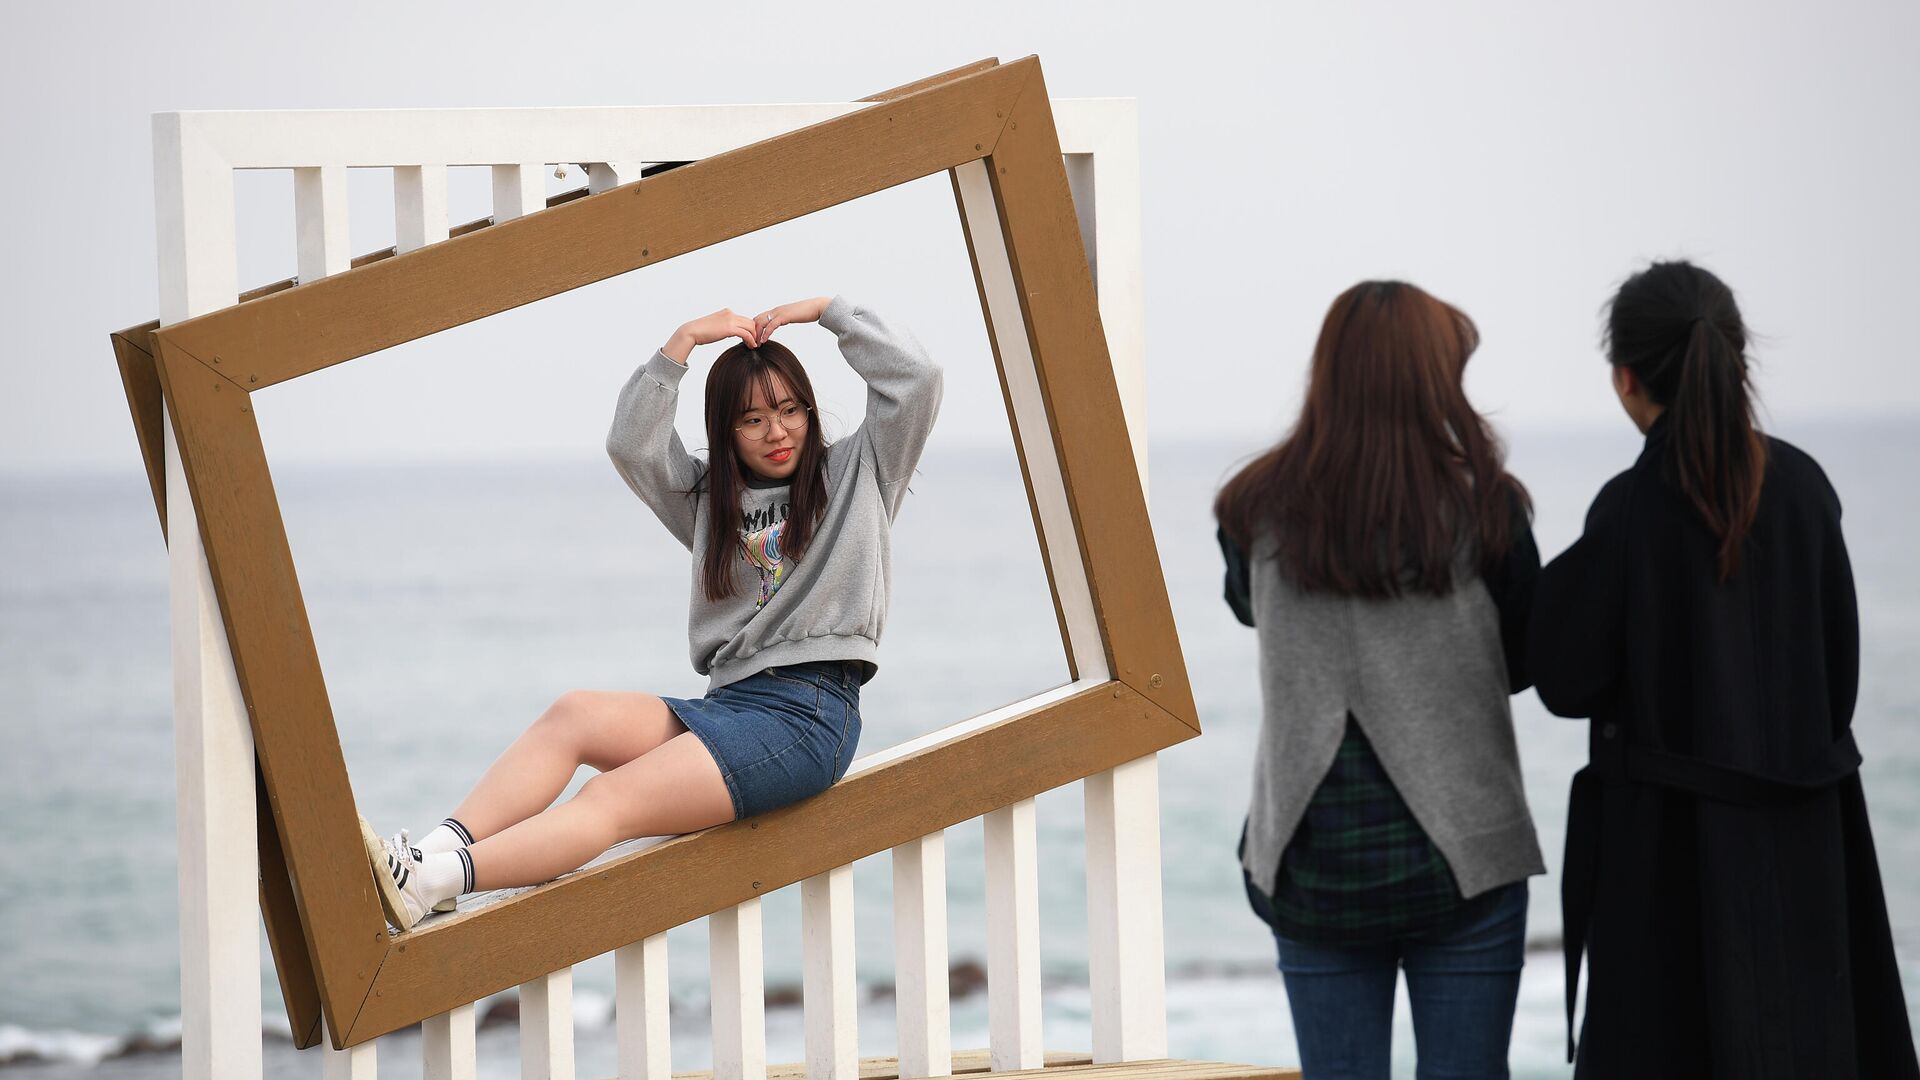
(447, 1045)
(266, 139)
(1126, 950)
(354, 1063)
(830, 996)
(980, 211)
(737, 963)
(193, 213)
(219, 876)
(546, 1027)
(920, 957)
(419, 206)
(605, 175)
(270, 139)
(640, 1010)
(518, 190)
(320, 221)
(1105, 178)
(1126, 947)
(977, 723)
(1013, 938)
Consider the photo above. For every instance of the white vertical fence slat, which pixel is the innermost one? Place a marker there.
(354, 1063)
(447, 1049)
(193, 213)
(546, 1027)
(1106, 196)
(737, 962)
(213, 746)
(518, 190)
(640, 1010)
(1126, 937)
(1126, 963)
(603, 175)
(829, 991)
(920, 956)
(1013, 938)
(320, 221)
(419, 206)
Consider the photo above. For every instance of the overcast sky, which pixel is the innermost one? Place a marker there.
(1517, 159)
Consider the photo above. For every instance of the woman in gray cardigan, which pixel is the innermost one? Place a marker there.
(790, 577)
(1384, 556)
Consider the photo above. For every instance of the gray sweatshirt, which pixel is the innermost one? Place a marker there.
(831, 605)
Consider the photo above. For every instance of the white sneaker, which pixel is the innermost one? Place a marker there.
(396, 879)
(400, 849)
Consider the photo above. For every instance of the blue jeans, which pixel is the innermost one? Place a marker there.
(1462, 981)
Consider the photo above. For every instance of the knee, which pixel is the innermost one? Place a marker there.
(564, 717)
(608, 809)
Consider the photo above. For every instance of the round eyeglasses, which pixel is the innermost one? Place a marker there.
(757, 427)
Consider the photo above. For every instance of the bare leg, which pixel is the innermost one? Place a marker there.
(599, 728)
(674, 789)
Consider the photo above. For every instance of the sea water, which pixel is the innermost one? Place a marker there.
(451, 603)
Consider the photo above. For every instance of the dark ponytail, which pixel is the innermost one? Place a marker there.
(1677, 328)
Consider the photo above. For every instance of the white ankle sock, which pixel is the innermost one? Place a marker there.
(443, 875)
(446, 836)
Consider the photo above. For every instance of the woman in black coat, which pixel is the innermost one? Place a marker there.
(1720, 875)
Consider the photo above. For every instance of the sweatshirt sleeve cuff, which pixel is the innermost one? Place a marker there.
(665, 370)
(840, 312)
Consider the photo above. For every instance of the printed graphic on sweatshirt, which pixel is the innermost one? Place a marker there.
(760, 543)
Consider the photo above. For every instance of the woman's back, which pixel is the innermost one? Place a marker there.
(1382, 552)
(1758, 672)
(1720, 872)
(1426, 678)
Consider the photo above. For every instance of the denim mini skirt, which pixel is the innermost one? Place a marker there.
(781, 735)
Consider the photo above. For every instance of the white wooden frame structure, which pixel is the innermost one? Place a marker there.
(196, 154)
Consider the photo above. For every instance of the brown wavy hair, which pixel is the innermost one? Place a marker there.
(1389, 468)
(730, 386)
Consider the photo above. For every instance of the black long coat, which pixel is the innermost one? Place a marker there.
(1720, 875)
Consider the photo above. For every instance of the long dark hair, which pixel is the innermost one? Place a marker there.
(730, 386)
(1677, 328)
(1389, 469)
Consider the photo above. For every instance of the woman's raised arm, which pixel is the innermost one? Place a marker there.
(643, 444)
(903, 384)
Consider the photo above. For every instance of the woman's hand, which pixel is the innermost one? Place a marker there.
(706, 330)
(765, 323)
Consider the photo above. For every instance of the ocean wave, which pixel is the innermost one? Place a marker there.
(24, 1046)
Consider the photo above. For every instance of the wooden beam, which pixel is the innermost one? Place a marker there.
(466, 956)
(286, 936)
(279, 672)
(1060, 1066)
(370, 983)
(292, 963)
(1083, 405)
(142, 384)
(931, 81)
(387, 303)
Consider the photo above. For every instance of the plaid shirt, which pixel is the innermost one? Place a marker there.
(1359, 868)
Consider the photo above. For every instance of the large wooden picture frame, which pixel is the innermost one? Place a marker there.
(991, 126)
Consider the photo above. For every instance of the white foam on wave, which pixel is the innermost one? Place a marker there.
(19, 1046)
